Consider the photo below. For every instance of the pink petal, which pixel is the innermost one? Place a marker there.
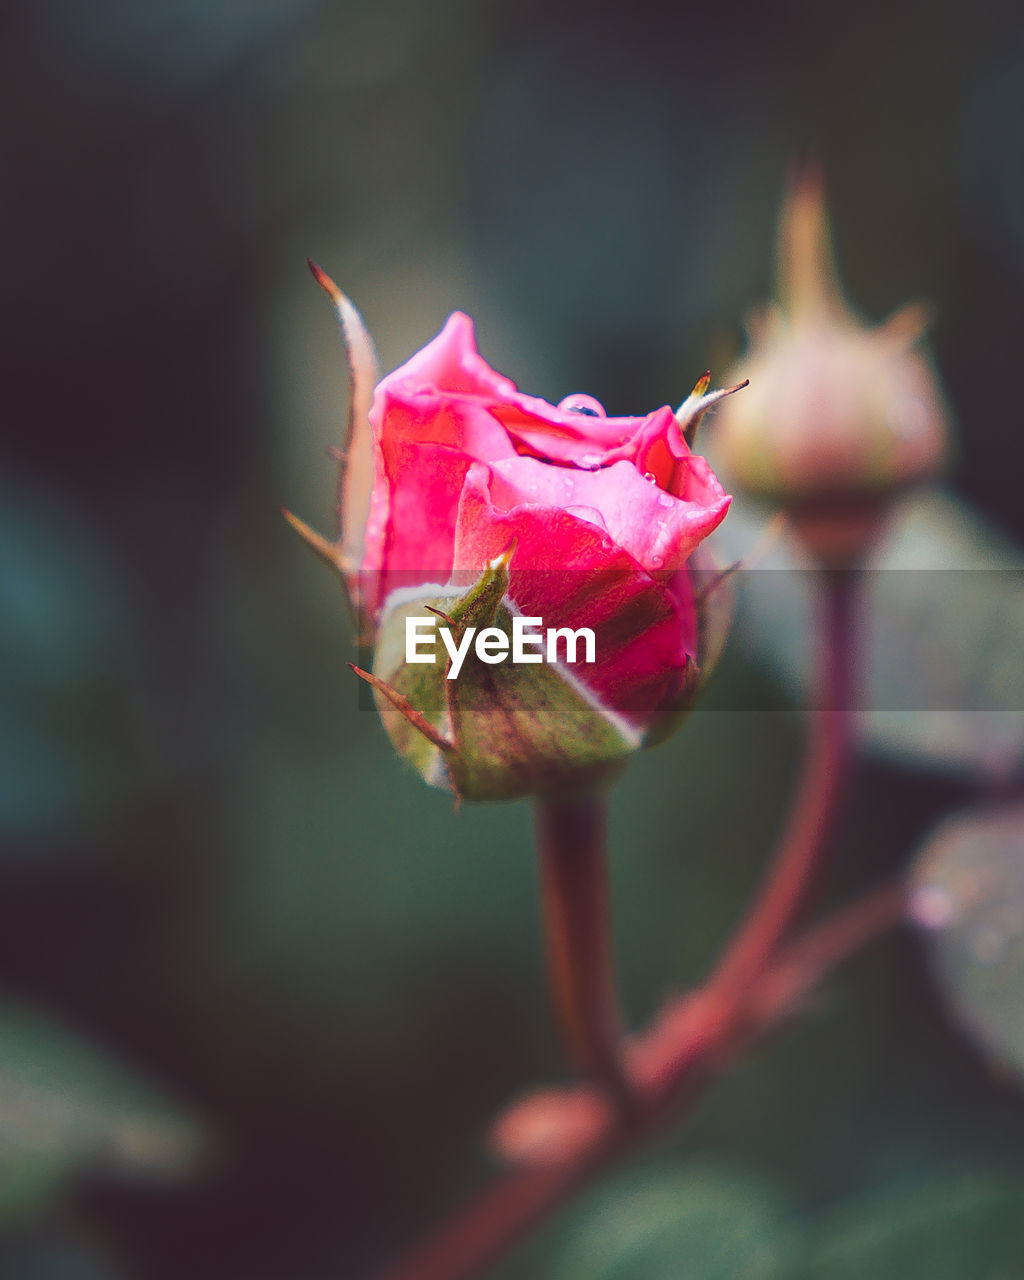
(413, 523)
(658, 530)
(578, 438)
(569, 573)
(452, 363)
(662, 452)
(408, 412)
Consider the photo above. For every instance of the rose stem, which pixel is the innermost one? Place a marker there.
(745, 996)
(502, 1213)
(793, 874)
(577, 925)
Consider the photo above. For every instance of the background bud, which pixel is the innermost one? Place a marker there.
(839, 416)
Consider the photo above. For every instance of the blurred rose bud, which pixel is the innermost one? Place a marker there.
(840, 417)
(466, 504)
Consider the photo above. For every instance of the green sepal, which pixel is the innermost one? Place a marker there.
(512, 729)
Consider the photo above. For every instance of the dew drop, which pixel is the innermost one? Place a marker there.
(580, 403)
(650, 477)
(590, 461)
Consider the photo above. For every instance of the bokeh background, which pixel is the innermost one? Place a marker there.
(262, 988)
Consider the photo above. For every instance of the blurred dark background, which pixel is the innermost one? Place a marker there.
(212, 869)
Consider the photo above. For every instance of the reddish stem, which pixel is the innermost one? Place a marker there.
(578, 935)
(490, 1224)
(758, 982)
(794, 873)
(504, 1211)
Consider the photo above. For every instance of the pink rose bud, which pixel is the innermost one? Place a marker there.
(471, 509)
(840, 417)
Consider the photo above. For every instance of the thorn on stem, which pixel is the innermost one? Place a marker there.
(328, 551)
(405, 708)
(717, 581)
(325, 282)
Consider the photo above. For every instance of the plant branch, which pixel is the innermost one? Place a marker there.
(500, 1215)
(577, 925)
(758, 983)
(794, 873)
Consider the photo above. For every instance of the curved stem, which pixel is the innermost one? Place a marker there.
(577, 925)
(500, 1215)
(793, 874)
(759, 981)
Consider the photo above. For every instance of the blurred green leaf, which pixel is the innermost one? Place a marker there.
(29, 1180)
(709, 1223)
(68, 1107)
(701, 1224)
(968, 893)
(944, 678)
(954, 1227)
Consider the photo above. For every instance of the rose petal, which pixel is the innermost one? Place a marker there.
(562, 436)
(451, 363)
(658, 530)
(407, 412)
(571, 574)
(662, 452)
(418, 494)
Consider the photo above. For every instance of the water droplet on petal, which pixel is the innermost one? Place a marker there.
(590, 461)
(590, 514)
(650, 477)
(580, 403)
